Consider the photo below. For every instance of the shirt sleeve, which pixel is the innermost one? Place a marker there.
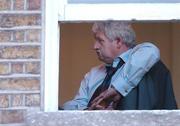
(80, 101)
(140, 60)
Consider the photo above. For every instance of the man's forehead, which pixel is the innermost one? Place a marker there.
(97, 34)
(95, 28)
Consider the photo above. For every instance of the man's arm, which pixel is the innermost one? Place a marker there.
(141, 59)
(80, 101)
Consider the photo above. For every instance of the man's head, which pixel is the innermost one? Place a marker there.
(112, 39)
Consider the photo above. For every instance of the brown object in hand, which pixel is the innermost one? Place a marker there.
(105, 103)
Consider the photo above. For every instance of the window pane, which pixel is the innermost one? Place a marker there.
(123, 1)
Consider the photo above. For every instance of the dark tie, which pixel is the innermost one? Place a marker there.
(107, 80)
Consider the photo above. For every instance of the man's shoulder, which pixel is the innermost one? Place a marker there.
(96, 72)
(98, 68)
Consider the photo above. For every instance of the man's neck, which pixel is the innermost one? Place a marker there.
(123, 49)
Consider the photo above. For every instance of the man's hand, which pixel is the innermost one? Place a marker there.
(107, 100)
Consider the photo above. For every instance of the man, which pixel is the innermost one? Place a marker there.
(115, 46)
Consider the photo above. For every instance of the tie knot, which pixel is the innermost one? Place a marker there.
(110, 69)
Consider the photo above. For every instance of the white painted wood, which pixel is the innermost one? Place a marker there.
(60, 10)
(51, 57)
(142, 12)
(123, 1)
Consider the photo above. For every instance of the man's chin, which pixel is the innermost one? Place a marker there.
(102, 60)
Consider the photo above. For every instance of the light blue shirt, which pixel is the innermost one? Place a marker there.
(137, 62)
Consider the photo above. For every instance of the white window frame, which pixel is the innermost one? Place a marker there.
(60, 10)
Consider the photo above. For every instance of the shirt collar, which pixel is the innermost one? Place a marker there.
(124, 56)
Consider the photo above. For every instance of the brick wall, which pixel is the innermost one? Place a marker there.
(20, 57)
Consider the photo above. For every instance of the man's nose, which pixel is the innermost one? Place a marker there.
(96, 45)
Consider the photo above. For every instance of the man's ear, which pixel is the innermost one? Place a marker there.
(119, 42)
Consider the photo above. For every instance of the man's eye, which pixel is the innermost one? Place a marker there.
(100, 40)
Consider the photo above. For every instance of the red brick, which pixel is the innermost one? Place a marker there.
(17, 67)
(33, 100)
(4, 101)
(14, 20)
(4, 68)
(18, 36)
(12, 116)
(34, 4)
(33, 35)
(22, 52)
(18, 4)
(20, 84)
(1, 117)
(17, 100)
(33, 68)
(5, 36)
(5, 5)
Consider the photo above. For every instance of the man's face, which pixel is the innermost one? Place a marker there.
(106, 49)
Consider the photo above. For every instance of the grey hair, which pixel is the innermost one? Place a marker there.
(116, 29)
